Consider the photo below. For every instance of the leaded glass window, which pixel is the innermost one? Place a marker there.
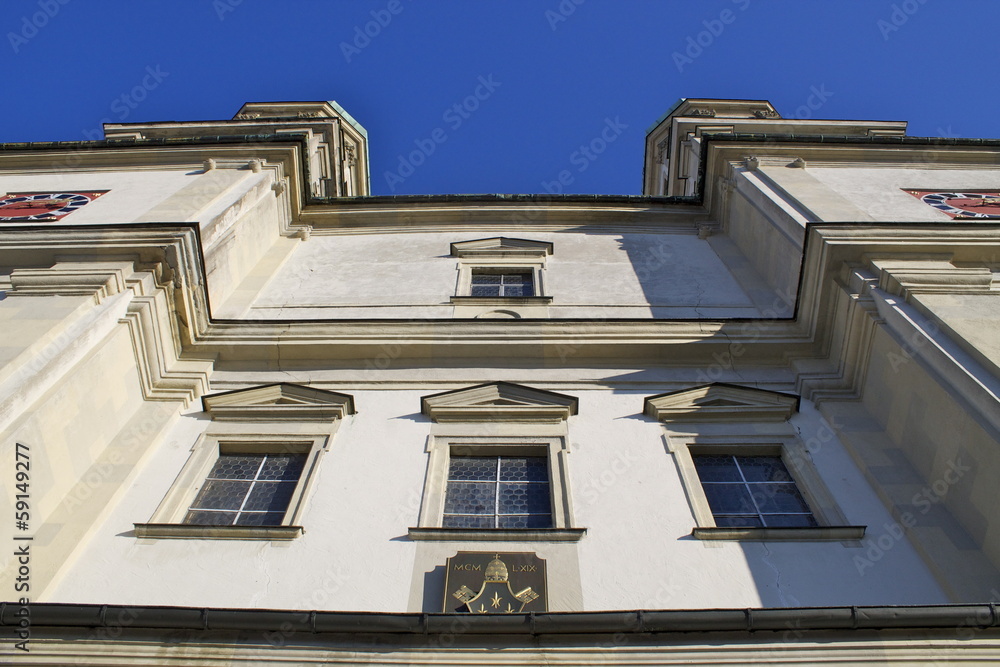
(247, 490)
(498, 492)
(752, 491)
(508, 283)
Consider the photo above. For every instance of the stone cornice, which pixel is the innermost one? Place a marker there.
(470, 213)
(176, 250)
(143, 296)
(905, 274)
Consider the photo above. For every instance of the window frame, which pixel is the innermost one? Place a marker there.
(264, 419)
(833, 524)
(501, 254)
(441, 448)
(168, 519)
(723, 418)
(467, 267)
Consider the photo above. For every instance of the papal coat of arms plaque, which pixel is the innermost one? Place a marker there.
(488, 582)
(43, 206)
(962, 204)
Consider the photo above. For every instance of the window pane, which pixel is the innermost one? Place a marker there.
(526, 521)
(738, 522)
(229, 466)
(244, 483)
(260, 519)
(459, 521)
(285, 467)
(486, 290)
(470, 498)
(764, 469)
(270, 496)
(778, 498)
(767, 497)
(524, 498)
(221, 494)
(523, 491)
(487, 278)
(197, 518)
(717, 468)
(473, 468)
(524, 469)
(790, 520)
(729, 499)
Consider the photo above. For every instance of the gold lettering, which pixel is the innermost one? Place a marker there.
(469, 567)
(524, 568)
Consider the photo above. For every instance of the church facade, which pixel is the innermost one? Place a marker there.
(251, 413)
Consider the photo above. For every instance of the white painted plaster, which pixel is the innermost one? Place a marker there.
(367, 494)
(612, 274)
(881, 192)
(131, 193)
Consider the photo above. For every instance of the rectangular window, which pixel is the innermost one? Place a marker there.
(247, 490)
(752, 491)
(498, 492)
(488, 283)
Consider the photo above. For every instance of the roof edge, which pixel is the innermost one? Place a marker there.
(984, 615)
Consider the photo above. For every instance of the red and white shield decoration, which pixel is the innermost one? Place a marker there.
(962, 204)
(42, 206)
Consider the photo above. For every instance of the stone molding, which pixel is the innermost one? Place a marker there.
(501, 246)
(278, 403)
(150, 530)
(934, 274)
(465, 535)
(818, 534)
(499, 402)
(719, 402)
(149, 317)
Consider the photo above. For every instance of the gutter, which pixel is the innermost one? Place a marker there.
(541, 198)
(797, 619)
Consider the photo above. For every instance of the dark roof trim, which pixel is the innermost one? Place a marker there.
(845, 139)
(542, 198)
(288, 138)
(800, 619)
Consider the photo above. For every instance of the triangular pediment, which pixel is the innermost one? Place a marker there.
(499, 402)
(721, 402)
(501, 246)
(278, 402)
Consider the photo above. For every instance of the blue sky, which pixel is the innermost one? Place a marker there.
(534, 80)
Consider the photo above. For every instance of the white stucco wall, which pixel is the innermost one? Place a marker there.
(590, 274)
(131, 193)
(355, 553)
(879, 192)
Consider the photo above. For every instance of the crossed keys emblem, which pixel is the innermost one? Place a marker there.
(495, 596)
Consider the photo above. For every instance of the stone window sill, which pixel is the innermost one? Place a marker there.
(186, 531)
(497, 535)
(501, 300)
(811, 534)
